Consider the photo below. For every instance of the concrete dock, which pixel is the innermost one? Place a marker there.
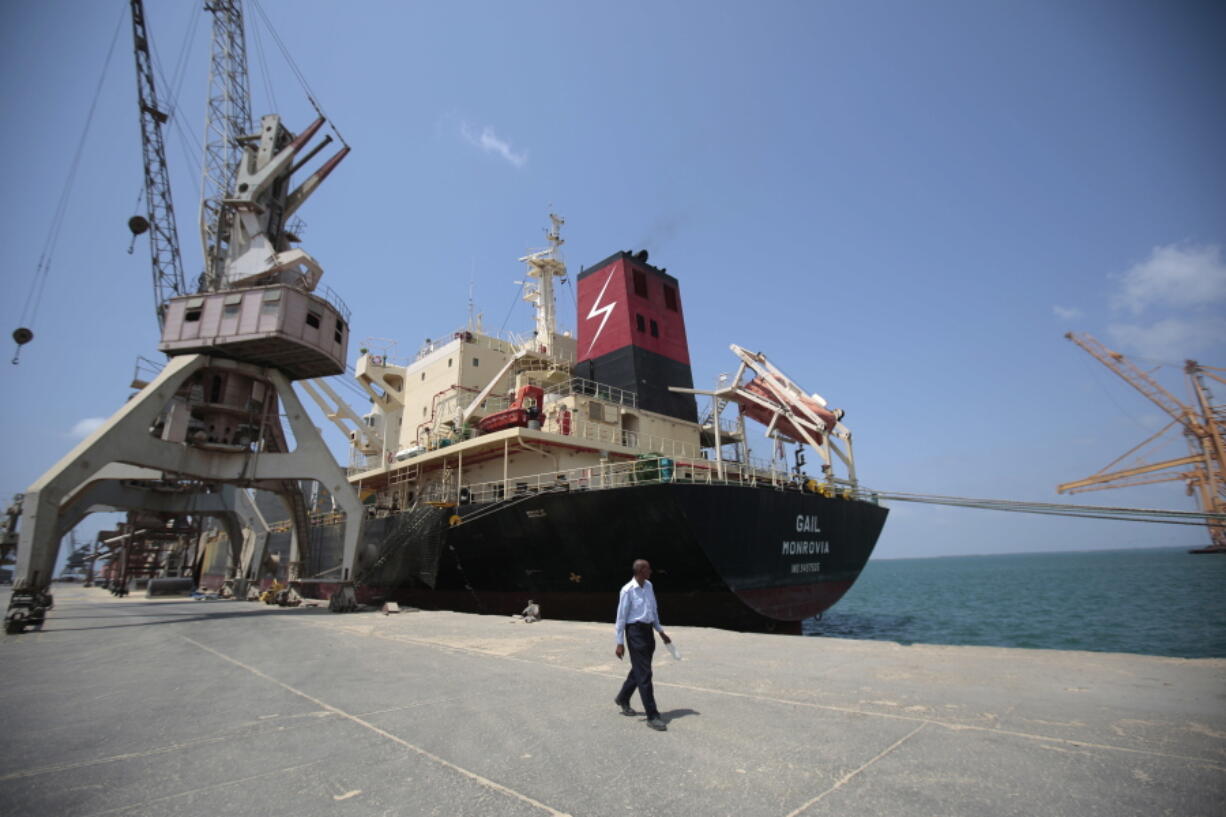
(179, 707)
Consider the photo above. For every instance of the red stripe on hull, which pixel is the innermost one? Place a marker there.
(795, 603)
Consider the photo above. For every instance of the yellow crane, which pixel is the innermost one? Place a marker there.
(1203, 471)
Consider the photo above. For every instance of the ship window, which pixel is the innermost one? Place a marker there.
(340, 330)
(449, 362)
(229, 310)
(423, 375)
(670, 298)
(640, 323)
(476, 363)
(655, 329)
(192, 315)
(312, 320)
(640, 283)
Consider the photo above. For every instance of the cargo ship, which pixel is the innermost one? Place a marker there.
(495, 471)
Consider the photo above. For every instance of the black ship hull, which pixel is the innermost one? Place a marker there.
(739, 557)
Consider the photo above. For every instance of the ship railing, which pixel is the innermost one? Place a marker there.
(650, 470)
(328, 518)
(359, 462)
(624, 438)
(521, 341)
(509, 345)
(599, 433)
(601, 391)
(726, 426)
(432, 345)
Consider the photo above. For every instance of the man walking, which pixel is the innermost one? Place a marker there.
(637, 617)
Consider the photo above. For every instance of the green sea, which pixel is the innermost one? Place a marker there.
(1153, 602)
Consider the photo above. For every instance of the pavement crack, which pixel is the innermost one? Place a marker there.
(203, 789)
(471, 775)
(842, 781)
(253, 729)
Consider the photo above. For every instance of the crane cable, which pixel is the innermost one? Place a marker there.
(38, 282)
(1158, 515)
(297, 72)
(264, 72)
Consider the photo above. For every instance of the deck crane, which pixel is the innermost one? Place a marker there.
(1202, 422)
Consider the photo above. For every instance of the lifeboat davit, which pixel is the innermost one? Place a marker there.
(784, 425)
(524, 409)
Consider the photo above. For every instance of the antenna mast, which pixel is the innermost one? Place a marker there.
(544, 266)
(227, 121)
(163, 234)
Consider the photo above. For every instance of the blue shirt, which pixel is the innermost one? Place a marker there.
(636, 604)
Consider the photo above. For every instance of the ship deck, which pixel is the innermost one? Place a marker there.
(171, 706)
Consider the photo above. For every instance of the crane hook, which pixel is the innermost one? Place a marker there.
(138, 225)
(22, 336)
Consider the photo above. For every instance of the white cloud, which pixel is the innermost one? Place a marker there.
(1174, 276)
(1067, 313)
(1170, 339)
(490, 142)
(85, 427)
(1181, 288)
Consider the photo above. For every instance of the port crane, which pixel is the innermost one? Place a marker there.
(211, 424)
(1201, 421)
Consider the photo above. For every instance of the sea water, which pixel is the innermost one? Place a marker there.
(1154, 602)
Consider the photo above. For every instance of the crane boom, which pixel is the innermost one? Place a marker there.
(168, 278)
(1118, 478)
(227, 121)
(1135, 377)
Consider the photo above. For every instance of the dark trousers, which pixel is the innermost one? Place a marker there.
(641, 644)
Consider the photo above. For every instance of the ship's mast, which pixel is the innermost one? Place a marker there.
(544, 266)
(227, 121)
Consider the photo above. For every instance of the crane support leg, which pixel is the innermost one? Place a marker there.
(125, 438)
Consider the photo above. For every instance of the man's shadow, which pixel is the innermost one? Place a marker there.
(673, 714)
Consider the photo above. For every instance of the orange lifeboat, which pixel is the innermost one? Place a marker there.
(783, 425)
(525, 408)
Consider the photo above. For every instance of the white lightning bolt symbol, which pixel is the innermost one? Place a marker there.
(603, 311)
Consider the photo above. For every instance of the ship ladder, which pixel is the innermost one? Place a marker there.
(420, 518)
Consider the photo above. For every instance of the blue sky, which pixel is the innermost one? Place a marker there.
(905, 205)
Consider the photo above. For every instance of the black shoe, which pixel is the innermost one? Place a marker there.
(657, 723)
(625, 708)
